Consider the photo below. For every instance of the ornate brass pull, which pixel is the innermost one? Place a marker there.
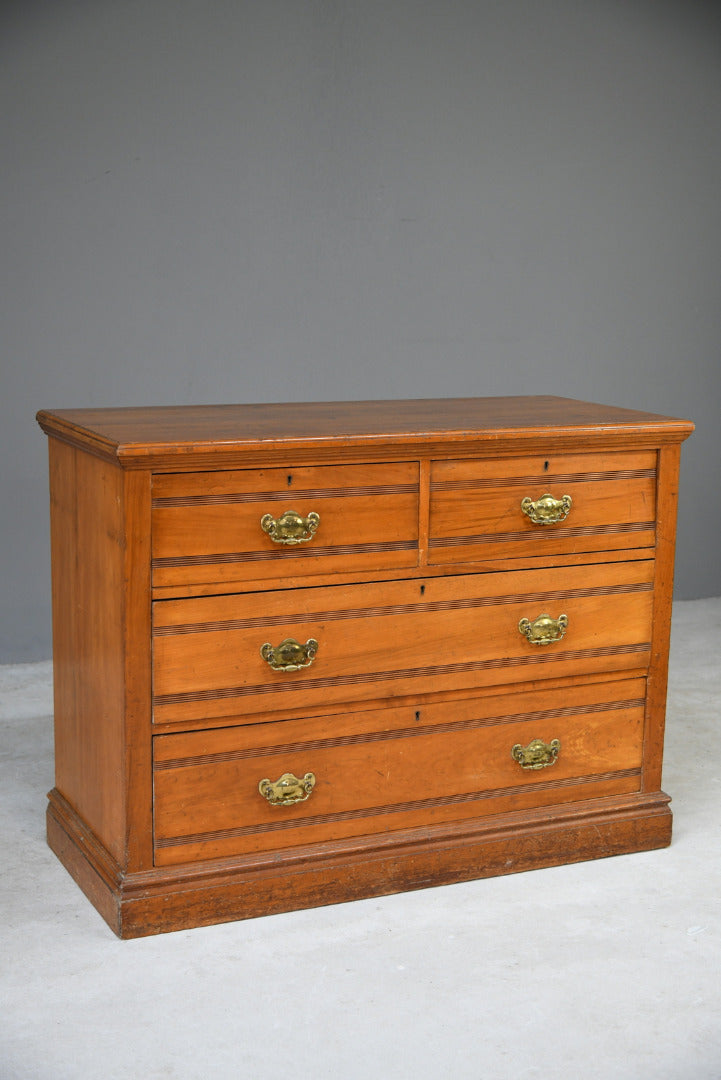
(546, 510)
(544, 630)
(288, 789)
(290, 527)
(290, 655)
(537, 755)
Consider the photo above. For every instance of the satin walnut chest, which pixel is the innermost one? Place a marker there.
(305, 654)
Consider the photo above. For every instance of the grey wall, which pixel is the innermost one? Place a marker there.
(212, 200)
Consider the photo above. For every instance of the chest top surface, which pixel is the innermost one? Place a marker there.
(179, 436)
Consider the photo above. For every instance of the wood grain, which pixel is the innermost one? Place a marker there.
(185, 437)
(209, 530)
(668, 477)
(476, 505)
(167, 717)
(390, 639)
(441, 763)
(101, 648)
(197, 894)
(88, 646)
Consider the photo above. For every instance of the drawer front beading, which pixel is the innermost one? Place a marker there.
(369, 641)
(267, 524)
(377, 771)
(540, 507)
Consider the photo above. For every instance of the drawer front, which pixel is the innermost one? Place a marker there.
(477, 507)
(365, 642)
(207, 528)
(374, 772)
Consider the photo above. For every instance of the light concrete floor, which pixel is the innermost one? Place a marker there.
(609, 970)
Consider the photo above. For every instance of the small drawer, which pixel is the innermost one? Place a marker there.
(264, 524)
(229, 656)
(541, 506)
(216, 793)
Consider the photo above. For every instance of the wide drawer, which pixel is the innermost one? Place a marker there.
(212, 656)
(374, 772)
(206, 527)
(598, 502)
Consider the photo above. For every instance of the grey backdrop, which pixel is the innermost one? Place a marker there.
(215, 200)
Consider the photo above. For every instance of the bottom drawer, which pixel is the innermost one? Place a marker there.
(375, 772)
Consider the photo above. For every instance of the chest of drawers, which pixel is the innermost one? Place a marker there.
(310, 653)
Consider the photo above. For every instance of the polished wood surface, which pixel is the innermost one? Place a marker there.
(88, 636)
(393, 639)
(208, 530)
(392, 769)
(101, 659)
(177, 436)
(165, 587)
(212, 891)
(475, 511)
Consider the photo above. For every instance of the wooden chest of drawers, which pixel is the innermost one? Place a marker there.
(310, 653)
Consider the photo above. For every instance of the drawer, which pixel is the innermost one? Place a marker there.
(476, 507)
(206, 527)
(378, 771)
(213, 656)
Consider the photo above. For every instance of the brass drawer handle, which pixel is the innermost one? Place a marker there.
(290, 655)
(537, 755)
(546, 510)
(544, 630)
(290, 527)
(288, 789)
